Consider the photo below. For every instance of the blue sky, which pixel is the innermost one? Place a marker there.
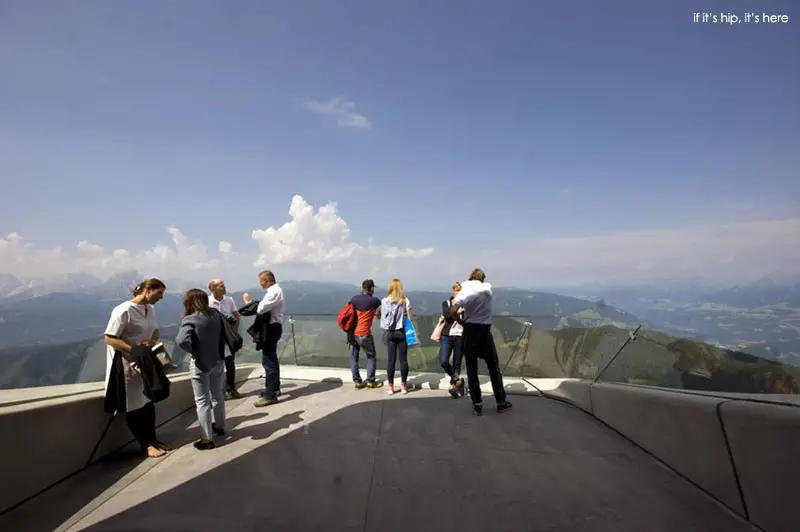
(493, 127)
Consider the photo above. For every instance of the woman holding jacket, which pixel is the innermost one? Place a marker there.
(133, 324)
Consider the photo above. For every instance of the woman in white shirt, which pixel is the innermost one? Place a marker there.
(394, 308)
(134, 323)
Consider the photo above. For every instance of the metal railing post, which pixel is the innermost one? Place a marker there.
(631, 337)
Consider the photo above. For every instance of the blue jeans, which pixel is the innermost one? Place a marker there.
(209, 393)
(451, 344)
(269, 359)
(367, 343)
(396, 346)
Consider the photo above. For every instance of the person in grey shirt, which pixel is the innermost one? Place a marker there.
(201, 335)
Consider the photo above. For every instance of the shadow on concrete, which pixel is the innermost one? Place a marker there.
(397, 462)
(107, 476)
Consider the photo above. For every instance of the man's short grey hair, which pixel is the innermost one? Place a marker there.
(212, 284)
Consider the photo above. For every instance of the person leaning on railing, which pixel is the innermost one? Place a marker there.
(133, 324)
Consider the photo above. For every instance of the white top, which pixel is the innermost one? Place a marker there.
(273, 302)
(392, 314)
(227, 307)
(476, 298)
(456, 329)
(133, 324)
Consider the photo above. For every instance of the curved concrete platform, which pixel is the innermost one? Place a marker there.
(332, 458)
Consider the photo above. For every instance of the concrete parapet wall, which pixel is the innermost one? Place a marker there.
(44, 441)
(574, 391)
(706, 439)
(765, 444)
(683, 430)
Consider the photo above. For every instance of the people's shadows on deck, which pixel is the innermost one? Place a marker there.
(301, 390)
(262, 431)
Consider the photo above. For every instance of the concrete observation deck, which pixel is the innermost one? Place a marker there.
(331, 458)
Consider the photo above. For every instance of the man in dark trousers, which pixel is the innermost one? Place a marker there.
(274, 304)
(475, 298)
(366, 305)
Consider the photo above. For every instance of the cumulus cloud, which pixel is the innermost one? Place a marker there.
(226, 250)
(343, 111)
(26, 260)
(321, 239)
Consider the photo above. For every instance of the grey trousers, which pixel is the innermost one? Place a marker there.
(209, 394)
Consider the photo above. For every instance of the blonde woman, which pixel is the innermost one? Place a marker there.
(394, 308)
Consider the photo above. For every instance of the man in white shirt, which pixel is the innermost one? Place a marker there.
(475, 298)
(227, 307)
(274, 303)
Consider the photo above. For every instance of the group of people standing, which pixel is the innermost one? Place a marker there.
(209, 329)
(466, 334)
(208, 332)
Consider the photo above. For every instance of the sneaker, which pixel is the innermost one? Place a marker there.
(360, 385)
(504, 407)
(374, 384)
(404, 388)
(233, 394)
(390, 389)
(265, 401)
(477, 409)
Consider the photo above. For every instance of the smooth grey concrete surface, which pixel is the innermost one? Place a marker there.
(55, 438)
(330, 458)
(682, 430)
(765, 444)
(574, 391)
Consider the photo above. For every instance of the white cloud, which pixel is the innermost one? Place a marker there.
(320, 240)
(316, 243)
(344, 111)
(226, 250)
(88, 247)
(28, 261)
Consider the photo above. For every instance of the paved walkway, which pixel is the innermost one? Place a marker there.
(329, 458)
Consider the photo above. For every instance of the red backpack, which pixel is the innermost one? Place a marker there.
(347, 318)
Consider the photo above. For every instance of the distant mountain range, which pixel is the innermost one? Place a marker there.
(761, 318)
(118, 286)
(68, 316)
